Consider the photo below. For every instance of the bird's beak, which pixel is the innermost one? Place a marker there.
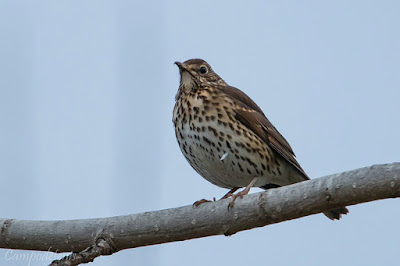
(179, 64)
(182, 66)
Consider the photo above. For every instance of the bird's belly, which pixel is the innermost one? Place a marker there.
(212, 159)
(226, 159)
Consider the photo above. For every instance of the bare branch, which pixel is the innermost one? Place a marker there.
(108, 235)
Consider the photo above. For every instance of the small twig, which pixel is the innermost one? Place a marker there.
(101, 247)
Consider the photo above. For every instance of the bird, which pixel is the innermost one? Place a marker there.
(228, 140)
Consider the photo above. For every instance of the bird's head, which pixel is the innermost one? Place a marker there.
(197, 73)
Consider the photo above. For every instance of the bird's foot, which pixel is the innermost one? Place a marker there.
(230, 193)
(227, 195)
(237, 195)
(240, 194)
(199, 202)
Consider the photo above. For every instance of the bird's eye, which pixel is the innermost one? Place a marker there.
(203, 70)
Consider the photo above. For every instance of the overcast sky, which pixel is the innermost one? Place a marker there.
(86, 96)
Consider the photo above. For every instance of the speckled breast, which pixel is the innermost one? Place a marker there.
(218, 146)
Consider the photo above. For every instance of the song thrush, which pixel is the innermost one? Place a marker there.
(226, 137)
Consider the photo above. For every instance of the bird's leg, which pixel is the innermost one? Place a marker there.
(230, 193)
(242, 193)
(227, 195)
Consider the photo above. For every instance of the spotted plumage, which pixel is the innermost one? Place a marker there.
(226, 137)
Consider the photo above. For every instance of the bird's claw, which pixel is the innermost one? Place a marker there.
(199, 202)
(234, 197)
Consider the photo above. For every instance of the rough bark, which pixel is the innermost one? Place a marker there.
(104, 236)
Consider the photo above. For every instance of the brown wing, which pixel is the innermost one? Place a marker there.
(251, 116)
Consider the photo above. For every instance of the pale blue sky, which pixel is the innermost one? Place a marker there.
(87, 90)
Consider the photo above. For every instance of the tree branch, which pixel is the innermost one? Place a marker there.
(108, 235)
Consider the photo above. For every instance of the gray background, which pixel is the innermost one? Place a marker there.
(86, 96)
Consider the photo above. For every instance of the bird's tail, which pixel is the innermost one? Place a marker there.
(336, 214)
